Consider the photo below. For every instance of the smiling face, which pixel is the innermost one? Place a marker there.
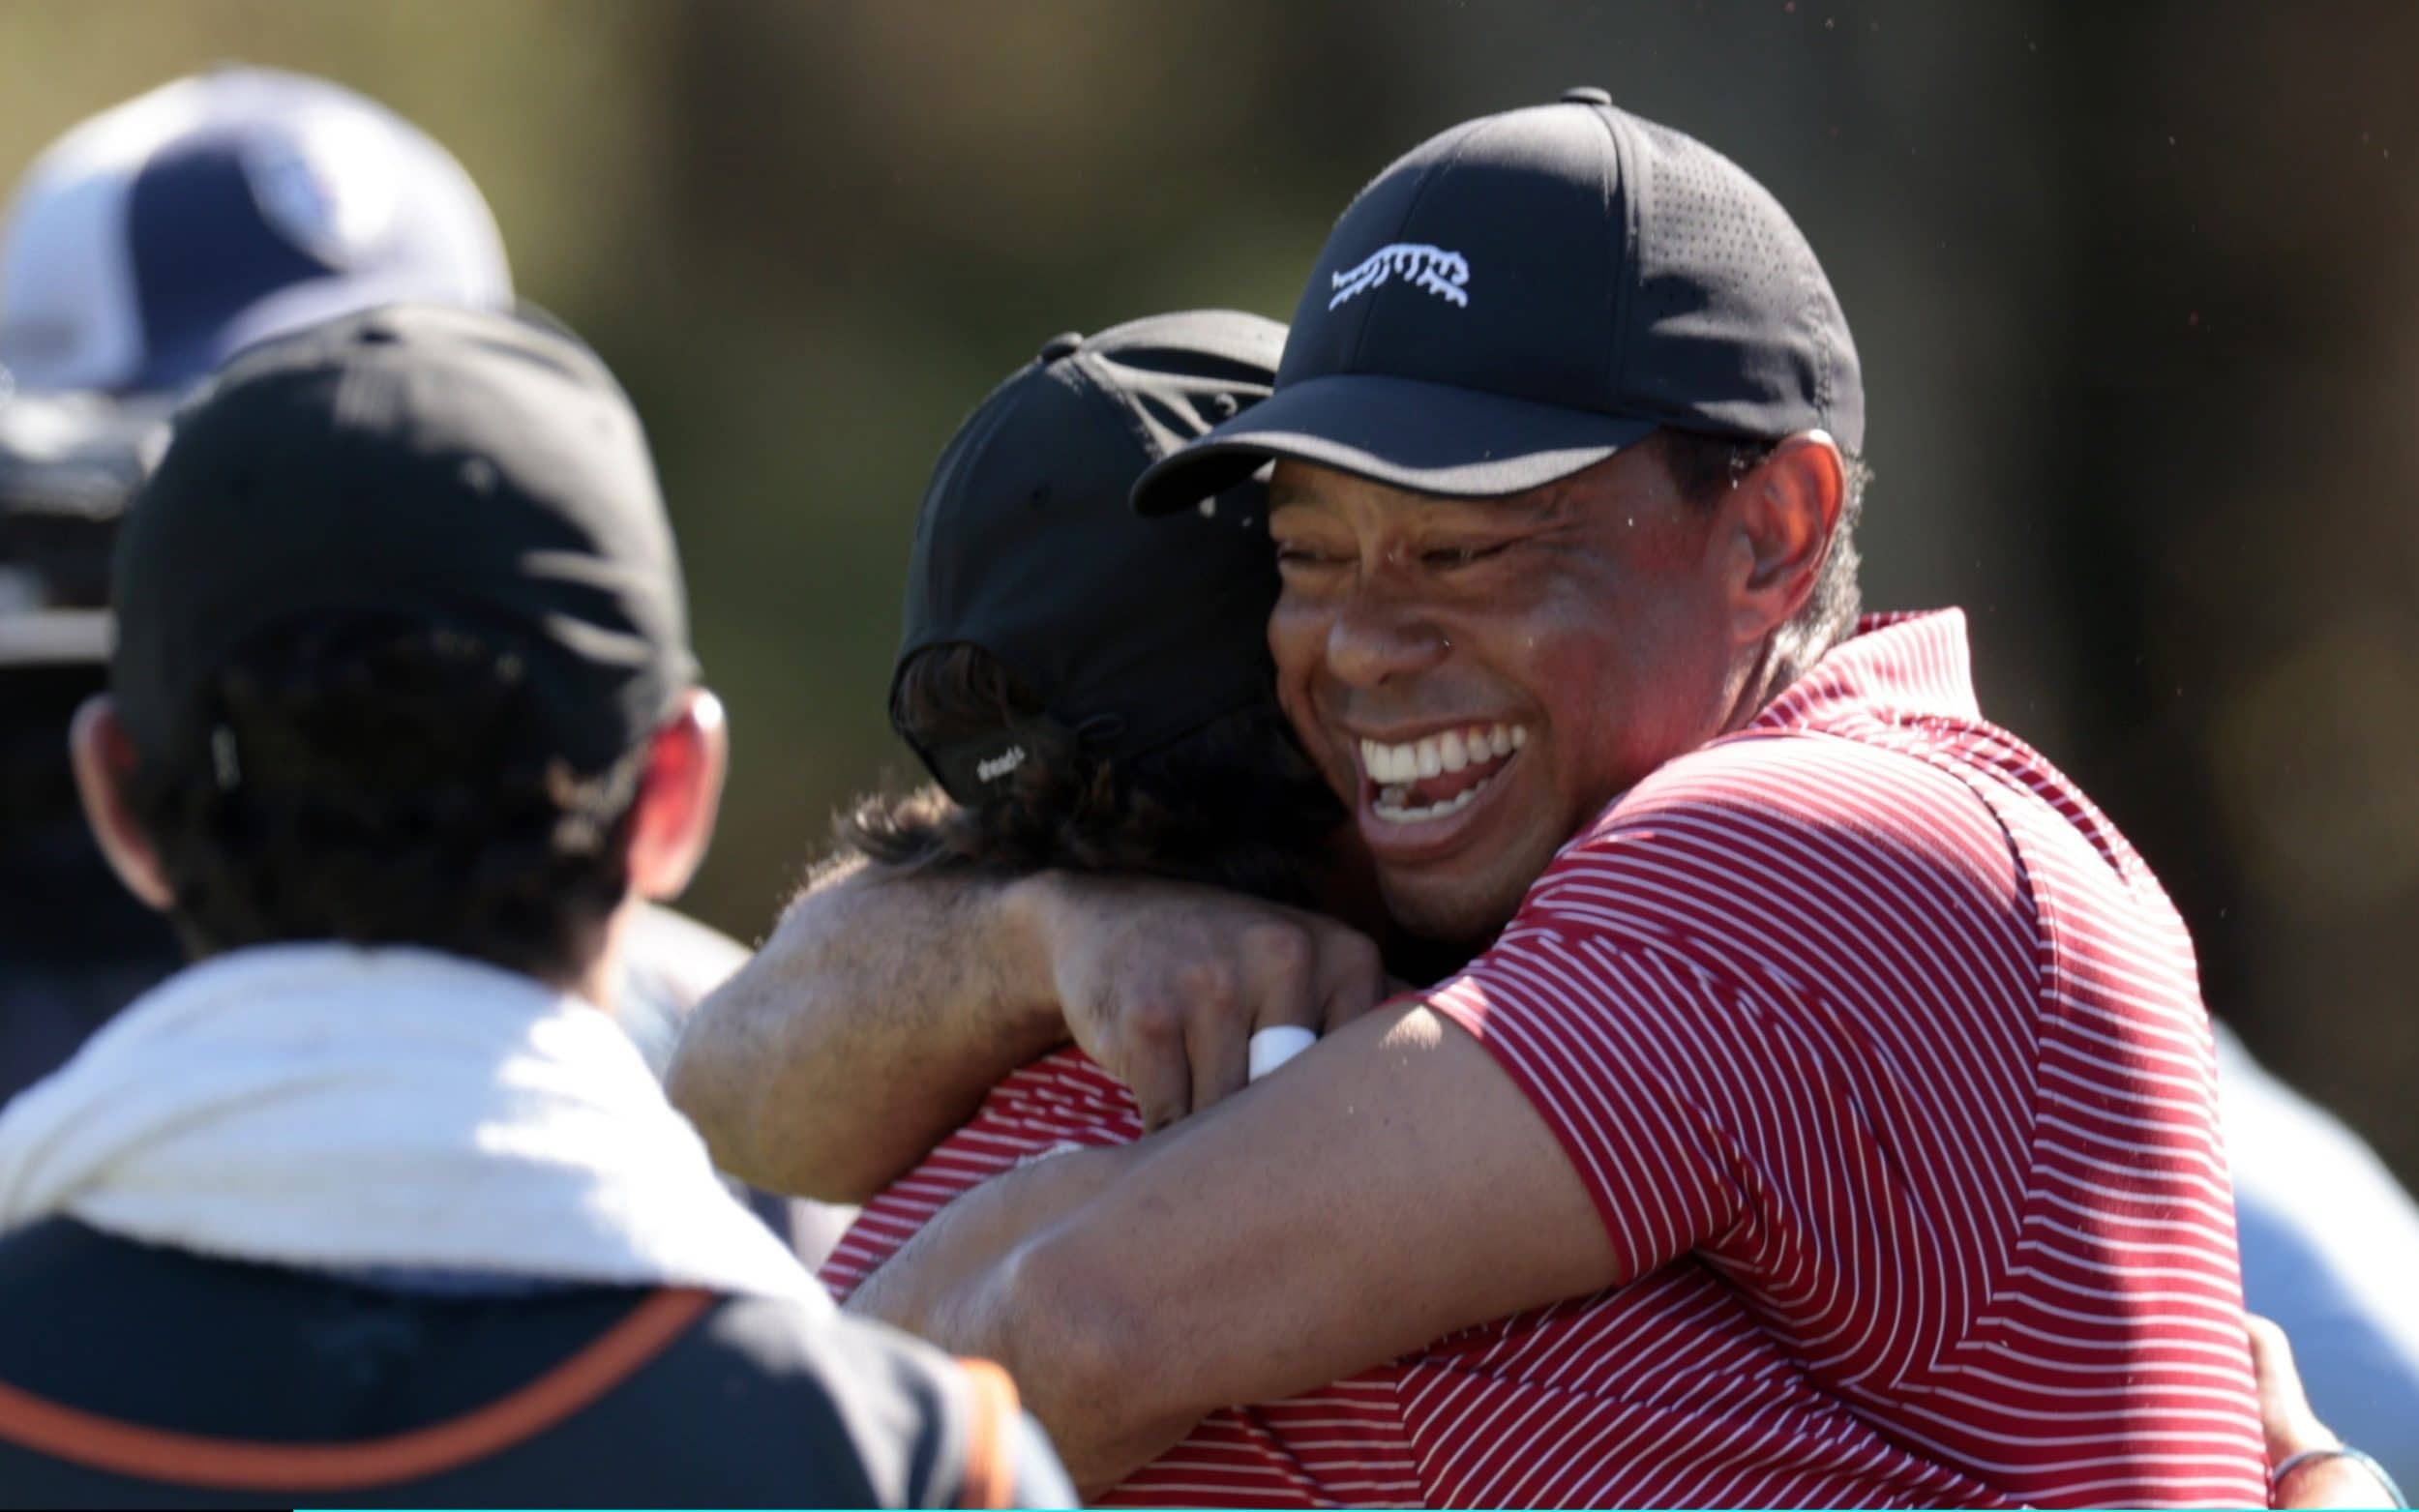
(1479, 678)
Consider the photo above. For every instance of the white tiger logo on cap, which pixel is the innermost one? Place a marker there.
(1442, 273)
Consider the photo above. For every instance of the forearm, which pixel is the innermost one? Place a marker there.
(868, 1027)
(1389, 1186)
(972, 1281)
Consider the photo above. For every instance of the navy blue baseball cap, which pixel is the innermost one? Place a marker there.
(156, 239)
(1519, 298)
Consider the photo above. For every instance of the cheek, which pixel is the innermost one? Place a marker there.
(1297, 642)
(1617, 668)
(1297, 634)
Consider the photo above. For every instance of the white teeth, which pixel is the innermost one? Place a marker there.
(1391, 808)
(1453, 751)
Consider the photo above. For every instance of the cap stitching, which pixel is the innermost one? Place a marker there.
(1122, 411)
(1617, 361)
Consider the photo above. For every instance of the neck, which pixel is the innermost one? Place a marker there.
(1787, 654)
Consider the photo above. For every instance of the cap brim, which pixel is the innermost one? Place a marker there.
(1419, 437)
(297, 308)
(57, 638)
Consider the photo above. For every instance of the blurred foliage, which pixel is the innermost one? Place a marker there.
(2133, 287)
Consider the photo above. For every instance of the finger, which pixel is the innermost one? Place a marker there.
(1151, 1052)
(1353, 979)
(1217, 1041)
(2284, 1410)
(1284, 970)
(1162, 1087)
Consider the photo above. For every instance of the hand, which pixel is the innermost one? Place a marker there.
(1164, 983)
(2293, 1428)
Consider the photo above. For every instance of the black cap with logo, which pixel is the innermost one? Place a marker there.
(1519, 298)
(1131, 632)
(468, 470)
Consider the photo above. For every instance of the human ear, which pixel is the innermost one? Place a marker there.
(1785, 511)
(103, 756)
(680, 795)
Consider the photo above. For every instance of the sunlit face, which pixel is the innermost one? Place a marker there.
(1479, 678)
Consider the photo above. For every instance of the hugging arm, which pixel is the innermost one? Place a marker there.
(867, 1028)
(1389, 1185)
(887, 1004)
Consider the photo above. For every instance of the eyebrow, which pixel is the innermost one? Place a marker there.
(1284, 494)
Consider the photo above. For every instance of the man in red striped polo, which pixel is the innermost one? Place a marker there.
(1832, 1119)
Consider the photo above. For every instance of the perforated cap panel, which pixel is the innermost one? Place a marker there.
(1521, 296)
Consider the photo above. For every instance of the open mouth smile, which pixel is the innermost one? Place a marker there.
(1433, 778)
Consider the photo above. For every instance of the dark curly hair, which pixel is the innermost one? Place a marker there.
(1234, 803)
(381, 783)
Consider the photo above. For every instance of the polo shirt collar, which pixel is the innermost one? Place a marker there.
(1903, 663)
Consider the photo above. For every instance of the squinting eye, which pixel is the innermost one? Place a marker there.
(1302, 556)
(1459, 555)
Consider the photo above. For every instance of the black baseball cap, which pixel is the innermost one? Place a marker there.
(469, 470)
(1519, 298)
(1131, 632)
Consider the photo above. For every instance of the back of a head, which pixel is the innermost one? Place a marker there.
(156, 239)
(1090, 688)
(397, 612)
(141, 247)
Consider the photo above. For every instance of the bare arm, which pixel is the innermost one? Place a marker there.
(883, 1007)
(868, 1027)
(1389, 1186)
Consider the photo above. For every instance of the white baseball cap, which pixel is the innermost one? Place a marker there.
(156, 239)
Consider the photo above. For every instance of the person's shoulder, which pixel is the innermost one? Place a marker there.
(820, 1390)
(1768, 824)
(845, 1410)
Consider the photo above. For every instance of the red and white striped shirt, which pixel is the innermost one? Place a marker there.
(1882, 1057)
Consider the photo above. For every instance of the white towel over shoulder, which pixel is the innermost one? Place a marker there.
(333, 1108)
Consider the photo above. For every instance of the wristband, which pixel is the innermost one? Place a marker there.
(2341, 1451)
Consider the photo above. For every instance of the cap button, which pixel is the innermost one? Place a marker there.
(1587, 95)
(1064, 344)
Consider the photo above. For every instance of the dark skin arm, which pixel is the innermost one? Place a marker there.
(1389, 1186)
(884, 1007)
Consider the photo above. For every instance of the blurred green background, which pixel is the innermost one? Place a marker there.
(2135, 289)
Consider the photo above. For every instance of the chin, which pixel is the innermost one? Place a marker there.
(1460, 910)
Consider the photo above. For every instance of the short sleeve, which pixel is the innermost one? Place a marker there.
(1621, 1053)
(1779, 1007)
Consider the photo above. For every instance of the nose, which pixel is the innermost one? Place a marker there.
(1378, 634)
